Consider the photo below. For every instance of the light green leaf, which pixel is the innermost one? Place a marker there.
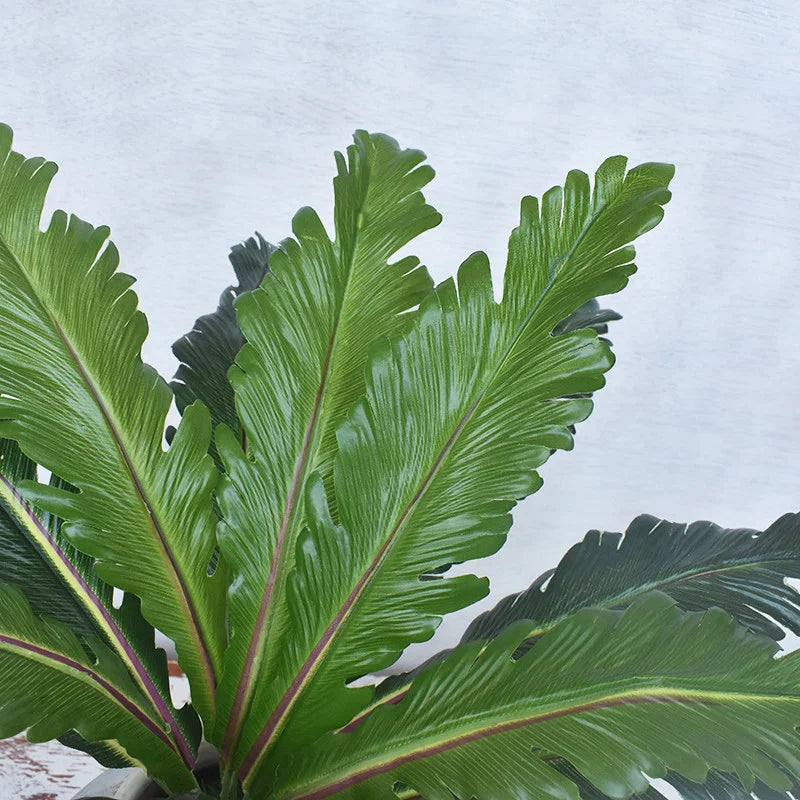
(699, 565)
(80, 402)
(308, 329)
(50, 685)
(458, 414)
(60, 582)
(617, 695)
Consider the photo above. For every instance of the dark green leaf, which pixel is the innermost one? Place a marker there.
(700, 565)
(589, 315)
(208, 351)
(619, 696)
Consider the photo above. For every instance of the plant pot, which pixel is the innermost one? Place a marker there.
(133, 784)
(120, 784)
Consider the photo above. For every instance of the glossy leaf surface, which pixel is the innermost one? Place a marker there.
(50, 684)
(458, 414)
(308, 329)
(615, 694)
(80, 402)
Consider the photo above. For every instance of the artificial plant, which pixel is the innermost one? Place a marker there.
(348, 432)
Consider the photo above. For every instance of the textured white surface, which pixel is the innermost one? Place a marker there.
(185, 125)
(47, 771)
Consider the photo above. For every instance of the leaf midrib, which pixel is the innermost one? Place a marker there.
(651, 691)
(51, 658)
(311, 665)
(275, 579)
(99, 613)
(176, 576)
(277, 574)
(401, 691)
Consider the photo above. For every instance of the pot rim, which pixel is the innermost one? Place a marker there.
(131, 783)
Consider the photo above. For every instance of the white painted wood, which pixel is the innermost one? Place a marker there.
(46, 771)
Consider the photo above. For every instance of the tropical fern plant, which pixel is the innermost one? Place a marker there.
(348, 432)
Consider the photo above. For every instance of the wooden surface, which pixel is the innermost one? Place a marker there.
(47, 771)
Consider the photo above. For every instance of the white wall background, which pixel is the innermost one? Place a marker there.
(187, 125)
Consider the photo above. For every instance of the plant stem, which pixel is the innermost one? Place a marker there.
(230, 788)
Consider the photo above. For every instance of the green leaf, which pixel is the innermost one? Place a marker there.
(308, 329)
(617, 695)
(60, 583)
(458, 414)
(208, 351)
(589, 315)
(108, 754)
(699, 565)
(50, 685)
(717, 786)
(80, 402)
